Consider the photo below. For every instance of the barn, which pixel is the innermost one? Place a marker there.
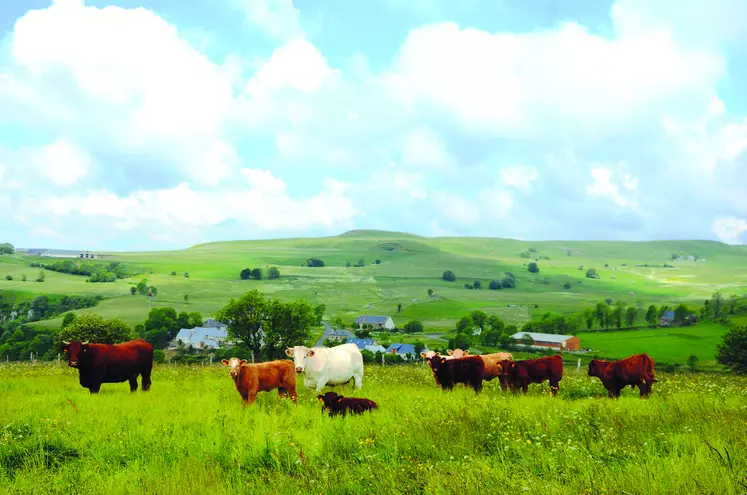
(543, 340)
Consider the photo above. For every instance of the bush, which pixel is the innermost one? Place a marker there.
(273, 273)
(533, 267)
(591, 273)
(9, 277)
(494, 285)
(567, 285)
(449, 276)
(314, 262)
(413, 326)
(159, 356)
(173, 273)
(732, 352)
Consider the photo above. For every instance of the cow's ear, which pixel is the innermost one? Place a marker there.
(422, 355)
(320, 397)
(311, 353)
(449, 352)
(339, 398)
(465, 352)
(64, 350)
(243, 361)
(443, 359)
(513, 364)
(224, 362)
(289, 352)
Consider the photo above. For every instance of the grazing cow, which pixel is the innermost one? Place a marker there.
(110, 363)
(449, 372)
(494, 368)
(519, 374)
(323, 366)
(636, 371)
(262, 377)
(338, 404)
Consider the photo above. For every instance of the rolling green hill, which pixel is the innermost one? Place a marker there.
(647, 272)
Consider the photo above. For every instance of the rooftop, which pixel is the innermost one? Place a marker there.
(543, 337)
(374, 320)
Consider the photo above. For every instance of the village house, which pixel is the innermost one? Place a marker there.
(667, 319)
(550, 340)
(201, 337)
(375, 321)
(407, 351)
(369, 345)
(340, 336)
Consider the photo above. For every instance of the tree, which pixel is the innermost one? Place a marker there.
(97, 330)
(186, 274)
(692, 362)
(533, 267)
(257, 274)
(314, 262)
(732, 304)
(414, 326)
(245, 318)
(461, 341)
(449, 276)
(273, 273)
(67, 320)
(602, 313)
(491, 338)
(430, 292)
(592, 273)
(319, 310)
(732, 352)
(173, 273)
(651, 315)
(479, 318)
(477, 284)
(133, 290)
(631, 313)
(496, 323)
(360, 262)
(527, 340)
(465, 325)
(494, 285)
(399, 308)
(7, 248)
(42, 276)
(246, 274)
(165, 318)
(378, 262)
(717, 305)
(153, 290)
(142, 286)
(588, 316)
(286, 325)
(362, 334)
(186, 298)
(618, 313)
(680, 313)
(419, 346)
(9, 277)
(23, 277)
(567, 285)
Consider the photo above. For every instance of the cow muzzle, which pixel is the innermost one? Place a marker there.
(73, 364)
(299, 369)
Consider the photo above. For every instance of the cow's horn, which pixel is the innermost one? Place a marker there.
(84, 343)
(66, 342)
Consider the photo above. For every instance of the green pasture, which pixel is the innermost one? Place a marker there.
(189, 434)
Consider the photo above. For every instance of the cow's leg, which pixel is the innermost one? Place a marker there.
(282, 392)
(133, 383)
(358, 377)
(94, 387)
(554, 386)
(145, 378)
(321, 383)
(293, 394)
(525, 387)
(502, 381)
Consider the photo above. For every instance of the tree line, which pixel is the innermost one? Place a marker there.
(95, 271)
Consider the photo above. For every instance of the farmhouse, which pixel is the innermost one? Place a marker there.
(667, 319)
(367, 345)
(407, 351)
(213, 323)
(340, 336)
(201, 337)
(375, 321)
(544, 340)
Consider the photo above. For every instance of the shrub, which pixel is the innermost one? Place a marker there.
(449, 276)
(9, 277)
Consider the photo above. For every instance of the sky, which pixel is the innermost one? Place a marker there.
(159, 124)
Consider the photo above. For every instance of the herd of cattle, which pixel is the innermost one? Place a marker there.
(321, 366)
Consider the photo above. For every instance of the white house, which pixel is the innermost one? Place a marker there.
(375, 321)
(200, 337)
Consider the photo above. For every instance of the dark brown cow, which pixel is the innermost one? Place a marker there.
(519, 374)
(110, 363)
(448, 372)
(636, 371)
(250, 379)
(339, 404)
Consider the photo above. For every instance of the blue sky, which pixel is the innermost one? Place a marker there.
(158, 124)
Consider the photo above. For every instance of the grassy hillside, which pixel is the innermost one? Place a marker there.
(188, 434)
(409, 266)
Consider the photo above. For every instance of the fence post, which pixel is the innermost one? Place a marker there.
(58, 358)
(252, 357)
(578, 366)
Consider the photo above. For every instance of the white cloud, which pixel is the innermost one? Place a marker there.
(603, 186)
(422, 148)
(730, 229)
(43, 231)
(61, 162)
(263, 205)
(520, 177)
(457, 208)
(278, 18)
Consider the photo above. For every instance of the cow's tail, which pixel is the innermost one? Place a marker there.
(650, 371)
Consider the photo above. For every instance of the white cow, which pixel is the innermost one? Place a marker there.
(322, 366)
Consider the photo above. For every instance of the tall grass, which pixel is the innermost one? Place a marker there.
(189, 434)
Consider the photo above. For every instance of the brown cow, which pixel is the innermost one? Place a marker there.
(519, 374)
(493, 367)
(110, 363)
(262, 377)
(339, 404)
(636, 371)
(449, 372)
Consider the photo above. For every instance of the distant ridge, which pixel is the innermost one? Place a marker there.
(376, 233)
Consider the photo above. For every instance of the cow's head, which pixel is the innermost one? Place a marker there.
(234, 366)
(329, 399)
(435, 362)
(429, 354)
(300, 355)
(597, 367)
(74, 351)
(506, 366)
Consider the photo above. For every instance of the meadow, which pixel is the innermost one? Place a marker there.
(408, 266)
(189, 434)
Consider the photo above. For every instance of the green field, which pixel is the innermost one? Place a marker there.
(410, 265)
(189, 434)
